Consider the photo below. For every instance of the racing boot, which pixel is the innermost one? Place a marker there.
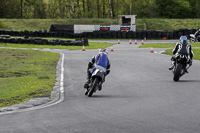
(170, 68)
(187, 66)
(173, 59)
(86, 85)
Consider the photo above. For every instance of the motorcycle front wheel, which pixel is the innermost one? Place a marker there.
(93, 87)
(177, 72)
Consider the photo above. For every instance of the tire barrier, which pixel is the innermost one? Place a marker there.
(40, 41)
(104, 34)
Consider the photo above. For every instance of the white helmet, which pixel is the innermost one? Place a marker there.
(103, 50)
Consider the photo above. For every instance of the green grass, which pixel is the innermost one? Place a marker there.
(196, 53)
(25, 74)
(165, 45)
(44, 24)
(92, 45)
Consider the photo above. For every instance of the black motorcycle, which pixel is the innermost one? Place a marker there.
(195, 37)
(180, 66)
(96, 81)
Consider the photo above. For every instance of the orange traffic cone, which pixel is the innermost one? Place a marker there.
(118, 41)
(111, 48)
(83, 48)
(130, 42)
(142, 41)
(135, 41)
(152, 50)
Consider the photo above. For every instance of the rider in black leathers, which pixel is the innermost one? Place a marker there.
(182, 47)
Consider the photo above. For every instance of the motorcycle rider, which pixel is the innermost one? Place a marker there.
(182, 47)
(98, 61)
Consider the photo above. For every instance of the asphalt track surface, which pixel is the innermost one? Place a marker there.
(139, 96)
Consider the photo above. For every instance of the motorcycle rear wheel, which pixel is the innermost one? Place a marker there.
(94, 85)
(177, 73)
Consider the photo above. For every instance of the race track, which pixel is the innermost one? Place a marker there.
(139, 96)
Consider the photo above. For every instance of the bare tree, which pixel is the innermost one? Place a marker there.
(44, 14)
(110, 6)
(73, 9)
(21, 9)
(98, 13)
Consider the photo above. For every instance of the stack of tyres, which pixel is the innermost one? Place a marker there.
(73, 43)
(94, 34)
(26, 33)
(134, 35)
(124, 34)
(154, 34)
(85, 41)
(60, 34)
(38, 40)
(148, 34)
(175, 34)
(26, 41)
(104, 34)
(144, 34)
(180, 33)
(114, 34)
(12, 33)
(186, 32)
(32, 40)
(119, 34)
(44, 42)
(100, 34)
(6, 40)
(56, 41)
(1, 39)
(139, 34)
(129, 34)
(13, 40)
(50, 42)
(79, 43)
(163, 34)
(67, 43)
(76, 35)
(170, 35)
(90, 35)
(109, 34)
(20, 40)
(31, 34)
(35, 33)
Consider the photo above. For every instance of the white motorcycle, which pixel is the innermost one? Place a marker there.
(96, 81)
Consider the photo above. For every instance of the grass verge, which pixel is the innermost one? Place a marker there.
(92, 45)
(25, 74)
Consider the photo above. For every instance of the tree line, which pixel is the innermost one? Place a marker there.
(99, 8)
